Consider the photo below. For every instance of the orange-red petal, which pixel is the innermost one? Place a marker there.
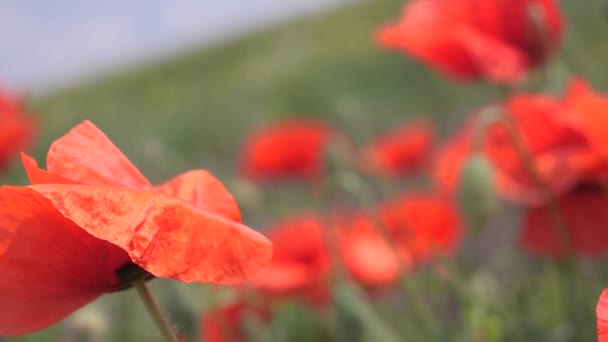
(602, 317)
(50, 267)
(166, 236)
(87, 156)
(203, 190)
(37, 175)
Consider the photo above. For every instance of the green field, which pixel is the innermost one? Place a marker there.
(193, 111)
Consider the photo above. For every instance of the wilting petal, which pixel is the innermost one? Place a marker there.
(203, 190)
(584, 212)
(167, 237)
(87, 156)
(37, 175)
(602, 317)
(50, 267)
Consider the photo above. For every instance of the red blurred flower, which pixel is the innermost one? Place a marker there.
(63, 238)
(225, 324)
(401, 151)
(556, 145)
(602, 317)
(565, 143)
(292, 149)
(584, 212)
(497, 40)
(16, 129)
(422, 225)
(369, 259)
(300, 263)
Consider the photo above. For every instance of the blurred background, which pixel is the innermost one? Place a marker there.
(177, 85)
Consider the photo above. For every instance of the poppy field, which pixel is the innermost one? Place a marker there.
(427, 170)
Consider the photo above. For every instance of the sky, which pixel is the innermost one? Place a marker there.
(49, 44)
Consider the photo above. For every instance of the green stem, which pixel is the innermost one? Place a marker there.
(153, 310)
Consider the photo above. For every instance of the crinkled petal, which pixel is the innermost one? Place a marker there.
(203, 190)
(602, 317)
(87, 156)
(50, 267)
(166, 236)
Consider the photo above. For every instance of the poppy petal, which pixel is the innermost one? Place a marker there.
(368, 257)
(166, 236)
(203, 190)
(37, 175)
(87, 156)
(496, 60)
(602, 317)
(585, 213)
(50, 266)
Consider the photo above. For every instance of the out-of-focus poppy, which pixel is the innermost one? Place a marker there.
(225, 324)
(368, 257)
(589, 112)
(300, 263)
(557, 147)
(602, 317)
(423, 226)
(16, 129)
(419, 226)
(496, 40)
(584, 212)
(287, 149)
(64, 238)
(401, 151)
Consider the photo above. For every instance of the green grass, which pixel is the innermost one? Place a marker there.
(194, 111)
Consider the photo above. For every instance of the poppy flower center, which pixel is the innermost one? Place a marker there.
(128, 273)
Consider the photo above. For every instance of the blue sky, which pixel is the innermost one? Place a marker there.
(45, 44)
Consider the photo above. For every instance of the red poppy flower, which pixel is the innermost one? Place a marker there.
(226, 323)
(588, 111)
(300, 262)
(291, 149)
(584, 212)
(422, 225)
(369, 259)
(401, 151)
(602, 317)
(16, 129)
(93, 212)
(497, 40)
(559, 150)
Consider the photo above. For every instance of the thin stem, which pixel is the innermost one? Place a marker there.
(153, 310)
